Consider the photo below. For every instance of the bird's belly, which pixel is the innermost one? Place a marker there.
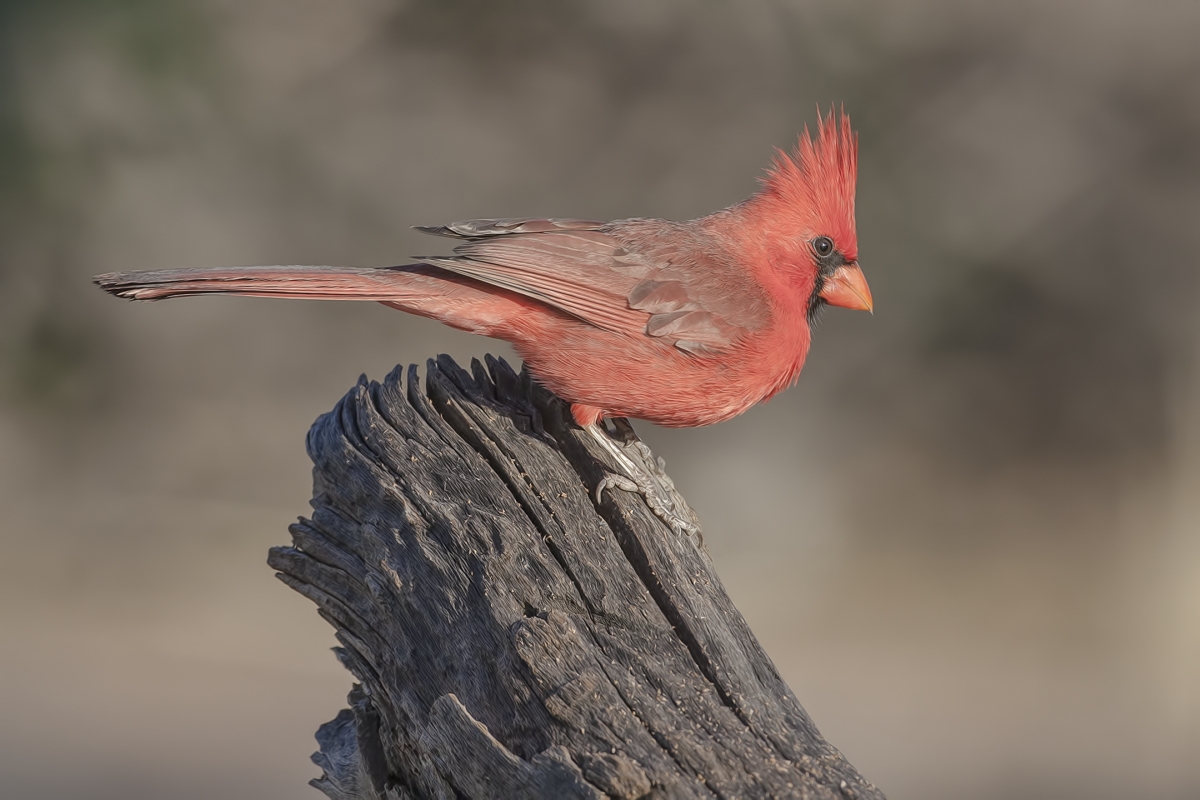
(652, 380)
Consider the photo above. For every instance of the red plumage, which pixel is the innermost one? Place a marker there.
(679, 323)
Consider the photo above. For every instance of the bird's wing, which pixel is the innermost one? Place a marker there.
(639, 277)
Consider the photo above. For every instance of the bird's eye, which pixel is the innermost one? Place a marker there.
(822, 245)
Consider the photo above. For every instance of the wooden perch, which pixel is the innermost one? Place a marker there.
(512, 638)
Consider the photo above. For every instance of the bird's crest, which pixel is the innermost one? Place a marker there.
(817, 180)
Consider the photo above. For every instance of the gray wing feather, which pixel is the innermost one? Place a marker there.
(478, 228)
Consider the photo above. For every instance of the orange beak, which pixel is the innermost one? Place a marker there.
(847, 287)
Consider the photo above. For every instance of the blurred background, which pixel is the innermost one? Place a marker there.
(970, 537)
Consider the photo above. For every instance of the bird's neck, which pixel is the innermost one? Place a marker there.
(770, 240)
(768, 244)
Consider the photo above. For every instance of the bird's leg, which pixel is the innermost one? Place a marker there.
(645, 474)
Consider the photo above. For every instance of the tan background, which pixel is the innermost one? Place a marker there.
(969, 537)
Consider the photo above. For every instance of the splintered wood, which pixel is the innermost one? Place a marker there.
(511, 637)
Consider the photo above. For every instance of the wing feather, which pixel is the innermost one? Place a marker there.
(639, 277)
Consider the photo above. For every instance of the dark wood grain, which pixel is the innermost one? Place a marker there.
(512, 638)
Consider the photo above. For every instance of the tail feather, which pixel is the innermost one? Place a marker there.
(328, 283)
(421, 289)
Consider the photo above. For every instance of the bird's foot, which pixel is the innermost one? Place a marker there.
(644, 473)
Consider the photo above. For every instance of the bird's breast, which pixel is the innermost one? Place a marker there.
(650, 379)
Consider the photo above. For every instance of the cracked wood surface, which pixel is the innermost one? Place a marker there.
(512, 638)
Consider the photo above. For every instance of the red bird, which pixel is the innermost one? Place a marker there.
(679, 323)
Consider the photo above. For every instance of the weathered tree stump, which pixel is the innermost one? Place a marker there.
(512, 638)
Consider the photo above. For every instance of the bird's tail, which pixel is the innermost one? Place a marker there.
(420, 289)
(316, 283)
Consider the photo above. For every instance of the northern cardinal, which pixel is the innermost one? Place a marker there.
(679, 323)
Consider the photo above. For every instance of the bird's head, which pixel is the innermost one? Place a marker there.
(805, 218)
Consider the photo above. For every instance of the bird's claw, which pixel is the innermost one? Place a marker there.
(614, 481)
(647, 478)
